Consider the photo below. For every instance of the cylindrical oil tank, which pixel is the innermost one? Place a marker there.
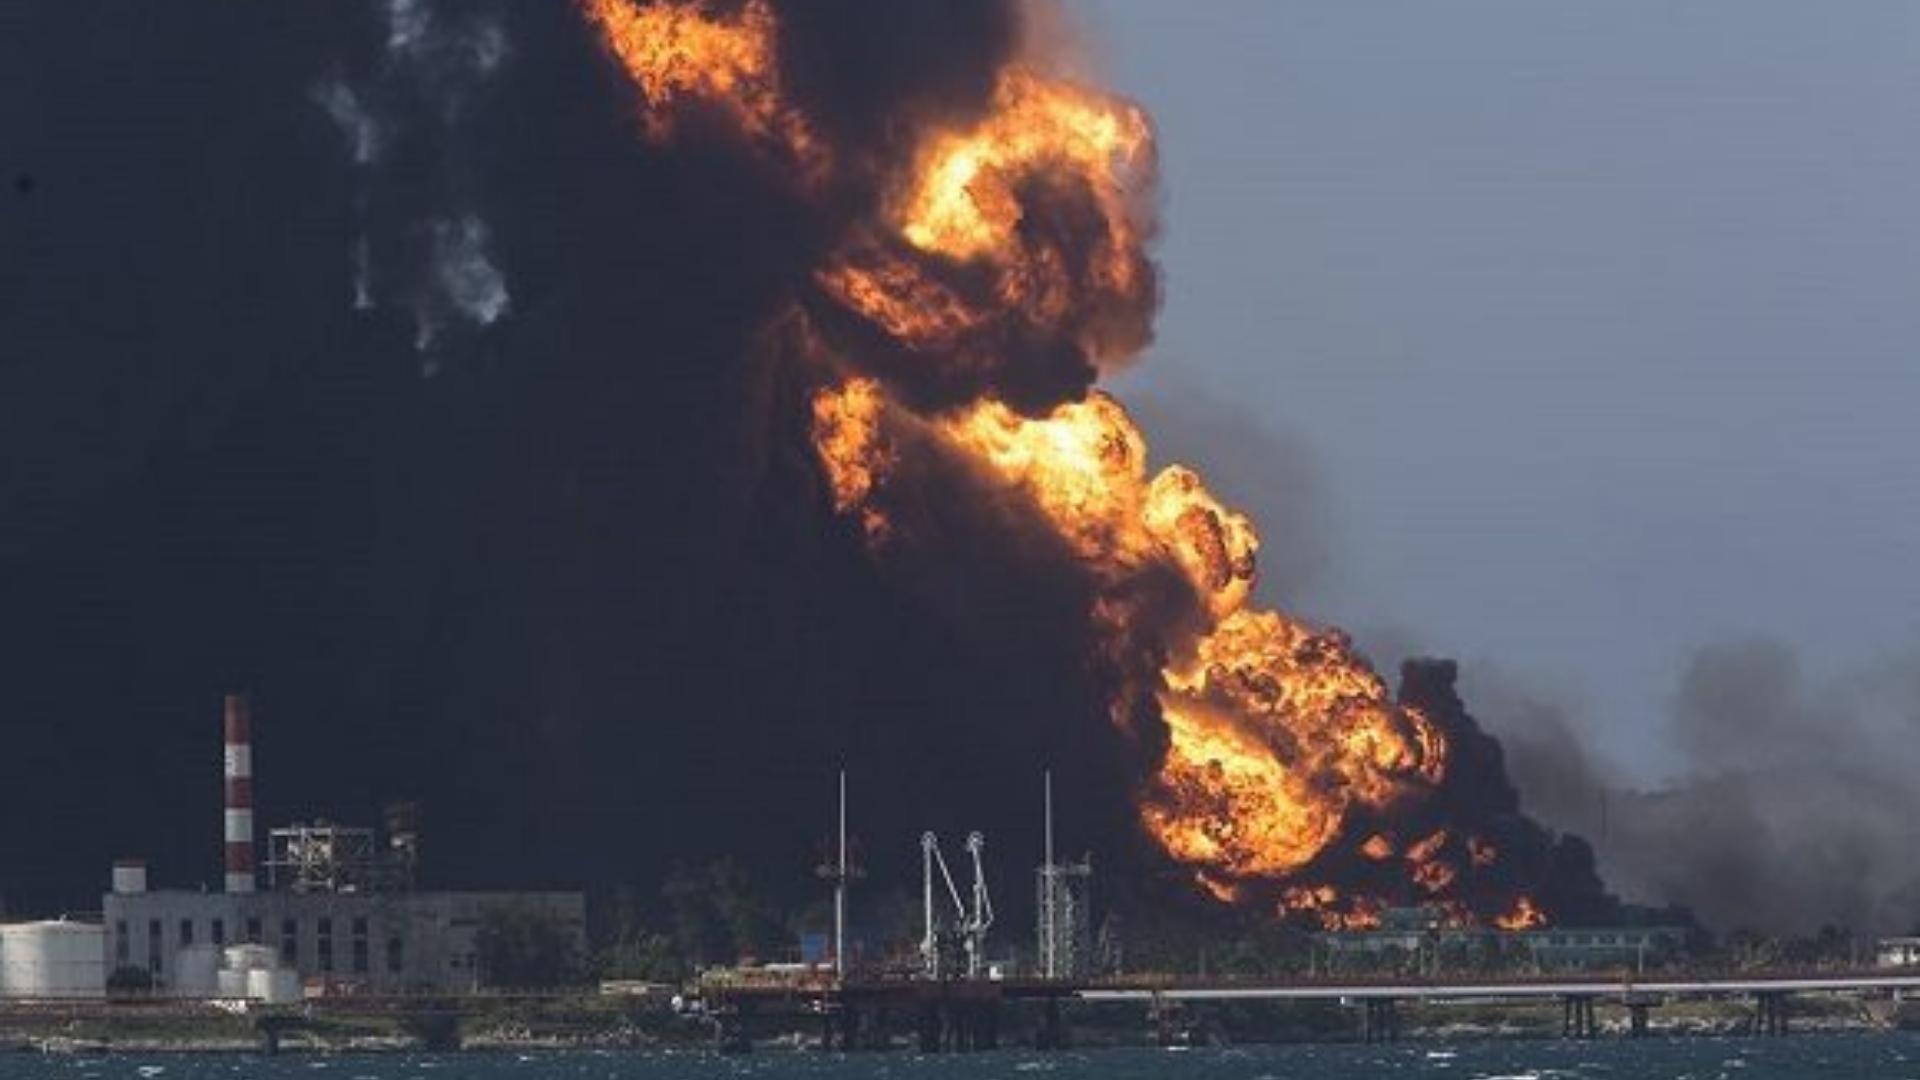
(251, 957)
(195, 971)
(274, 986)
(233, 984)
(53, 960)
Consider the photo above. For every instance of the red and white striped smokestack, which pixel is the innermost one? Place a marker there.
(239, 802)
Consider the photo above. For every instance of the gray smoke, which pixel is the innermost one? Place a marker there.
(1792, 806)
(357, 125)
(421, 243)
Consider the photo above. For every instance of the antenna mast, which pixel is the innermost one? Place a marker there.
(1049, 894)
(836, 865)
(840, 890)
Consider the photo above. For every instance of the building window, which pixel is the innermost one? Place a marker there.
(360, 962)
(155, 945)
(323, 944)
(253, 930)
(290, 942)
(396, 955)
(219, 929)
(186, 932)
(122, 944)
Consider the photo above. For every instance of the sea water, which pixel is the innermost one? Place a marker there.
(1690, 1058)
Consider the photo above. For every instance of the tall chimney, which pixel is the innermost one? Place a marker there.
(239, 802)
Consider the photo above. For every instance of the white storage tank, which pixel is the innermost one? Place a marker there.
(251, 957)
(196, 970)
(56, 959)
(233, 984)
(274, 986)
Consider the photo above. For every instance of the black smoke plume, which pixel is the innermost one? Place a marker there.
(581, 592)
(1477, 795)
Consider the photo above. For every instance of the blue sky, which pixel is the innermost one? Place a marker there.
(1595, 324)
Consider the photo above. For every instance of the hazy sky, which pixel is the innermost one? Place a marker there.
(1598, 320)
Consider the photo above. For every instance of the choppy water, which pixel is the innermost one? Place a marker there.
(1799, 1058)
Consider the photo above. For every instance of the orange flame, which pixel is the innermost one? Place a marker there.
(1524, 916)
(957, 213)
(688, 51)
(961, 202)
(847, 436)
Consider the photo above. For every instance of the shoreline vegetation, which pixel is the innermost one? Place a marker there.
(594, 1022)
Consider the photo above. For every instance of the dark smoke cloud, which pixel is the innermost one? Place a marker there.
(1479, 797)
(871, 74)
(582, 594)
(1562, 780)
(1791, 804)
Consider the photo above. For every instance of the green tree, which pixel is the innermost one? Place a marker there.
(128, 979)
(628, 948)
(642, 954)
(719, 915)
(521, 946)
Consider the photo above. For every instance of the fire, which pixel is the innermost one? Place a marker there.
(1524, 916)
(1275, 729)
(1299, 703)
(1331, 909)
(957, 263)
(1021, 234)
(963, 202)
(1225, 803)
(688, 51)
(846, 434)
(896, 295)
(1084, 464)
(1426, 849)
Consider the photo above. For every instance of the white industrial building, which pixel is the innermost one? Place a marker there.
(1897, 952)
(359, 941)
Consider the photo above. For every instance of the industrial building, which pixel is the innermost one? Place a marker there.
(340, 911)
(1425, 935)
(1897, 952)
(378, 941)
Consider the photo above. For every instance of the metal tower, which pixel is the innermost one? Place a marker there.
(1066, 927)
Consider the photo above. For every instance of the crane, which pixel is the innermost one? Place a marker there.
(969, 924)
